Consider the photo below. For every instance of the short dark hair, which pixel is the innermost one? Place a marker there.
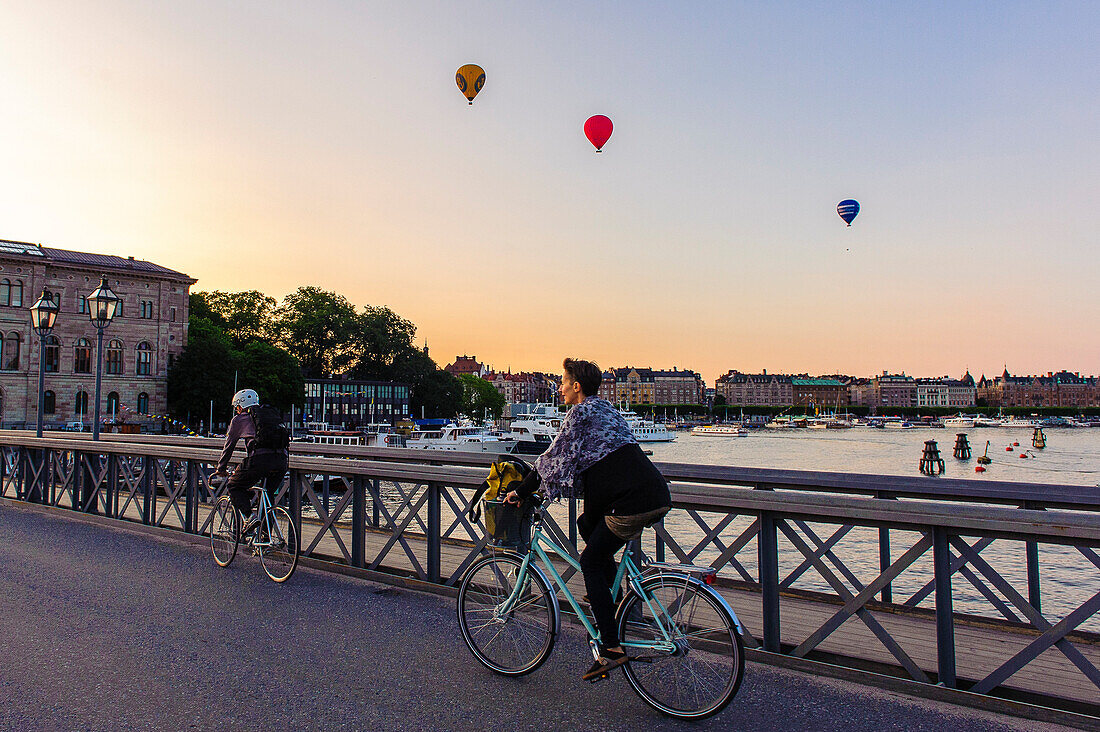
(585, 373)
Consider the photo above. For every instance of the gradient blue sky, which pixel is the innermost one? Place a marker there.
(265, 145)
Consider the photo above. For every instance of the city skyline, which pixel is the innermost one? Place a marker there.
(267, 148)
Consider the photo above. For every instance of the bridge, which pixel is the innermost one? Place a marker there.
(969, 592)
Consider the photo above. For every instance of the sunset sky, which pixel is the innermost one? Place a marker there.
(267, 145)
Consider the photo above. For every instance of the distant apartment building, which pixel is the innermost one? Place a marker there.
(652, 386)
(466, 365)
(861, 392)
(1056, 389)
(755, 390)
(947, 392)
(523, 387)
(819, 393)
(149, 331)
(893, 390)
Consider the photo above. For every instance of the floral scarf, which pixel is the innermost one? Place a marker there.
(590, 432)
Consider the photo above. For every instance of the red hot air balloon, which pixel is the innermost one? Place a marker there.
(598, 129)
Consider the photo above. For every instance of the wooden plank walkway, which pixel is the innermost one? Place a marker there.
(980, 647)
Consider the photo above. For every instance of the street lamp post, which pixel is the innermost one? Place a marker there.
(43, 315)
(102, 306)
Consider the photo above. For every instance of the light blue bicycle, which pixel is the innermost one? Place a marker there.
(684, 641)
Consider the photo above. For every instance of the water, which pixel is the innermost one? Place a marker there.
(1072, 456)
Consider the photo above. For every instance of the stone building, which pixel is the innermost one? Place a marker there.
(755, 390)
(466, 365)
(523, 387)
(652, 386)
(148, 332)
(1061, 389)
(893, 390)
(947, 392)
(823, 394)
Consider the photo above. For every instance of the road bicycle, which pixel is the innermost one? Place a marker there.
(687, 658)
(274, 539)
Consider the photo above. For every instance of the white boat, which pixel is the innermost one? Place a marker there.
(898, 424)
(646, 431)
(533, 431)
(959, 422)
(980, 421)
(720, 430)
(463, 438)
(1019, 423)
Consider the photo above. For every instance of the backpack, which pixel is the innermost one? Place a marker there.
(271, 434)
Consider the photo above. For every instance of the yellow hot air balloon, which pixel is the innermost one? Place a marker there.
(470, 78)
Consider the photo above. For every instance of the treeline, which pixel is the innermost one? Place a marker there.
(731, 411)
(274, 346)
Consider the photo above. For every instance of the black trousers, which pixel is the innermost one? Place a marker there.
(598, 567)
(270, 467)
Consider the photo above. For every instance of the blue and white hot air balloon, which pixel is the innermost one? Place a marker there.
(848, 209)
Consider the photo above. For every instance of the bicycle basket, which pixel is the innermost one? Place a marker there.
(508, 524)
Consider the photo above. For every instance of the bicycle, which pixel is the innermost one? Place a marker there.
(274, 540)
(687, 658)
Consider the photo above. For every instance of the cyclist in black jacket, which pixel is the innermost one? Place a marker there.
(264, 462)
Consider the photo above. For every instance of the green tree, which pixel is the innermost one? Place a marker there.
(384, 341)
(199, 307)
(320, 329)
(273, 373)
(479, 396)
(248, 316)
(435, 393)
(203, 372)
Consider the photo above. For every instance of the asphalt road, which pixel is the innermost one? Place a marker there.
(104, 628)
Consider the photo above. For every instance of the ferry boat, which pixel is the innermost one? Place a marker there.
(533, 431)
(1019, 423)
(720, 430)
(464, 438)
(959, 422)
(898, 424)
(980, 421)
(646, 431)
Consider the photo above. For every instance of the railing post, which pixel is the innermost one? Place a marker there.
(110, 497)
(945, 618)
(1034, 595)
(435, 532)
(78, 481)
(375, 497)
(659, 553)
(358, 519)
(884, 562)
(768, 556)
(190, 504)
(295, 491)
(148, 489)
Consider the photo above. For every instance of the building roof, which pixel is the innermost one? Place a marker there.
(87, 259)
(802, 381)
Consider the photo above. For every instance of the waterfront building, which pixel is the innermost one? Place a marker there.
(652, 386)
(821, 394)
(755, 390)
(147, 333)
(352, 403)
(1061, 389)
(861, 392)
(466, 365)
(523, 387)
(893, 390)
(947, 392)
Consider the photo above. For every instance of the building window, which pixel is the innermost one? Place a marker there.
(10, 349)
(147, 309)
(82, 304)
(112, 404)
(114, 357)
(49, 402)
(17, 294)
(82, 357)
(144, 359)
(5, 292)
(81, 407)
(53, 354)
(118, 309)
(173, 315)
(143, 403)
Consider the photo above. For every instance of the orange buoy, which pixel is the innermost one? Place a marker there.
(1023, 455)
(979, 469)
(1015, 444)
(1008, 449)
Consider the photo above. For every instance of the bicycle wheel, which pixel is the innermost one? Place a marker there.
(518, 641)
(703, 674)
(224, 531)
(280, 556)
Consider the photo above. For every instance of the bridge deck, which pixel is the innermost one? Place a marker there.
(980, 646)
(126, 631)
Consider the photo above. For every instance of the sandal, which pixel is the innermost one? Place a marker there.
(608, 661)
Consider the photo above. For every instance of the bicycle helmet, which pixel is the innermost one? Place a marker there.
(246, 398)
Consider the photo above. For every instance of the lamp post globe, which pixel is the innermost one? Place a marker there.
(102, 307)
(43, 316)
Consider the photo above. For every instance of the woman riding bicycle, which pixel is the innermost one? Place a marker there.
(595, 456)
